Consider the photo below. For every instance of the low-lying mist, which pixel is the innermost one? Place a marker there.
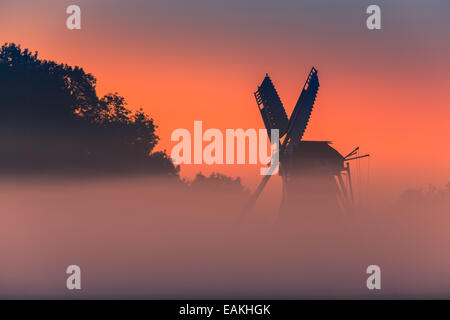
(149, 238)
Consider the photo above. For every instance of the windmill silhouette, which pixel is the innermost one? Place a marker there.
(314, 174)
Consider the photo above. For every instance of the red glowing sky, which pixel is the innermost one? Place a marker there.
(386, 91)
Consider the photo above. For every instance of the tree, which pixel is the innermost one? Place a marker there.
(51, 120)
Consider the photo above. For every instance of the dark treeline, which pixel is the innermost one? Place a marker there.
(53, 122)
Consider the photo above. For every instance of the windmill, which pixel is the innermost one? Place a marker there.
(315, 176)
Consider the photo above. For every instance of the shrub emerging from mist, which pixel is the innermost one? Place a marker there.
(51, 120)
(218, 182)
(425, 199)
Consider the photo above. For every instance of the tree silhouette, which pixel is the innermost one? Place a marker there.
(51, 120)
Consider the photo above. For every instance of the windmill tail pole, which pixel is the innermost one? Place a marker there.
(274, 166)
(251, 202)
(352, 204)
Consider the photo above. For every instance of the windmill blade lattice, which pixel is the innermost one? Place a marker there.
(302, 111)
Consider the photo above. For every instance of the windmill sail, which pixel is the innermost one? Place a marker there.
(271, 107)
(302, 111)
(274, 117)
(311, 171)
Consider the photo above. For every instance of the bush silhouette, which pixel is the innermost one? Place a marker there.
(218, 182)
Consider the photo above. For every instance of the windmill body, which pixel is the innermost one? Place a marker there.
(310, 188)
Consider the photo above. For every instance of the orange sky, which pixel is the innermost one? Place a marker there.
(386, 91)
